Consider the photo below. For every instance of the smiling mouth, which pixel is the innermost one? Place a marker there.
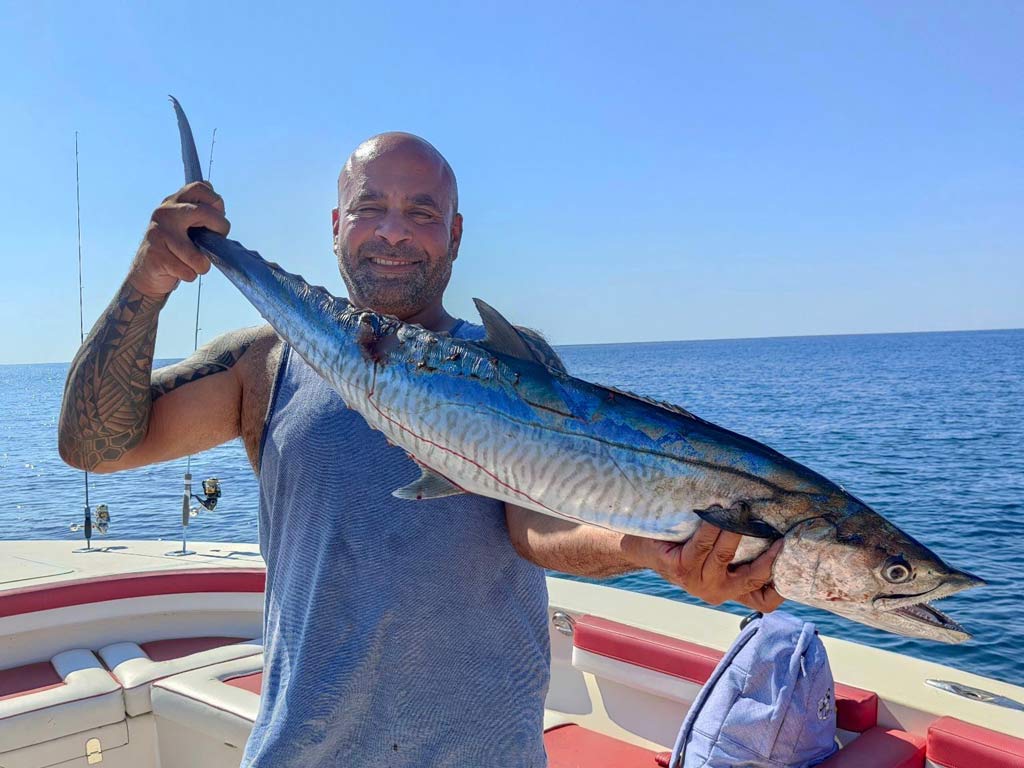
(390, 262)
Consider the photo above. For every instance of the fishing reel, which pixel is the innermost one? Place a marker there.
(208, 501)
(100, 522)
(211, 494)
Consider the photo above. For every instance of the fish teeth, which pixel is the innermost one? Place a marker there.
(926, 612)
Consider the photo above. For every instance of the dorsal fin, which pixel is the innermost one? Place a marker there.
(503, 337)
(651, 401)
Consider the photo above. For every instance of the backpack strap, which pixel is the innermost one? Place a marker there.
(748, 632)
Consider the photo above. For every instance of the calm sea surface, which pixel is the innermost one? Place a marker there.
(927, 428)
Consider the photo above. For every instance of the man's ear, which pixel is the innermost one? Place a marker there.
(336, 226)
(456, 235)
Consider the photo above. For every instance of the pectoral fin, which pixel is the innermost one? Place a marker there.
(429, 485)
(738, 519)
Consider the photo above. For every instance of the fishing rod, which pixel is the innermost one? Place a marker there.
(211, 486)
(102, 511)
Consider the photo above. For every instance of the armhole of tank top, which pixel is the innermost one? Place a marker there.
(282, 365)
(456, 328)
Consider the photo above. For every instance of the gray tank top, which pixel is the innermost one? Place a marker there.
(397, 633)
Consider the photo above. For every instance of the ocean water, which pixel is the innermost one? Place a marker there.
(926, 428)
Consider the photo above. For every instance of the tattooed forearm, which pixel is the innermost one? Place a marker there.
(217, 356)
(106, 398)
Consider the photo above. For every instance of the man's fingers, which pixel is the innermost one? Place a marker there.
(765, 599)
(199, 192)
(757, 573)
(771, 598)
(179, 217)
(196, 193)
(188, 256)
(203, 215)
(181, 270)
(699, 546)
(725, 548)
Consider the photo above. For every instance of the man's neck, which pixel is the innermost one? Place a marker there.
(434, 318)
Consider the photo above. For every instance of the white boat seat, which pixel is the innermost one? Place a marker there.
(136, 667)
(219, 701)
(675, 668)
(45, 701)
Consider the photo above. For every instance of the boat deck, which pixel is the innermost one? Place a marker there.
(129, 656)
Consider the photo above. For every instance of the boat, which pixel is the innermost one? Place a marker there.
(128, 655)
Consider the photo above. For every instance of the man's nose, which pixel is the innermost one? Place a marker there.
(393, 228)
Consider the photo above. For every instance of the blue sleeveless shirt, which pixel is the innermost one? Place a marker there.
(396, 633)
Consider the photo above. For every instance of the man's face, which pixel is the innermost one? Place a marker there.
(395, 231)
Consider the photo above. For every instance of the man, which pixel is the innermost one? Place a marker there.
(396, 633)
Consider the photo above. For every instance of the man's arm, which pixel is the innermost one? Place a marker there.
(115, 413)
(701, 565)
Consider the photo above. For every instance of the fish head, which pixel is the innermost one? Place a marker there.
(861, 566)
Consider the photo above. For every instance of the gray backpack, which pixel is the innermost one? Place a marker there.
(770, 703)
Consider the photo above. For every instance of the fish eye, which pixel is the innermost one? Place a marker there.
(896, 570)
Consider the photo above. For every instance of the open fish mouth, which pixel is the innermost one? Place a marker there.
(918, 609)
(930, 616)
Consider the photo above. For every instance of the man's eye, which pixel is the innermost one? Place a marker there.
(365, 209)
(422, 215)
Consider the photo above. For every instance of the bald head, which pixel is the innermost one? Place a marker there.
(397, 227)
(413, 150)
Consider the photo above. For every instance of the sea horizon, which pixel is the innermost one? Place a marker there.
(568, 345)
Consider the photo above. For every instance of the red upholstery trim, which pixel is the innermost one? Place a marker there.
(119, 586)
(30, 678)
(649, 650)
(165, 650)
(956, 744)
(879, 748)
(856, 709)
(571, 746)
(252, 683)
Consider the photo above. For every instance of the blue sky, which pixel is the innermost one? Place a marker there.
(628, 171)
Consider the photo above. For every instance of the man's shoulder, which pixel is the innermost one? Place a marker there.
(262, 352)
(534, 340)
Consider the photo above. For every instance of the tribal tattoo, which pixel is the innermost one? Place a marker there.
(111, 385)
(106, 398)
(219, 355)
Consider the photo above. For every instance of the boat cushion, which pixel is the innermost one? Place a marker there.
(572, 746)
(643, 648)
(137, 667)
(85, 697)
(856, 709)
(30, 678)
(953, 743)
(217, 700)
(880, 748)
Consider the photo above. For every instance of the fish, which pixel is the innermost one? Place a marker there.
(490, 418)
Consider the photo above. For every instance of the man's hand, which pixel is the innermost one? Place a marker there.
(166, 254)
(702, 566)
